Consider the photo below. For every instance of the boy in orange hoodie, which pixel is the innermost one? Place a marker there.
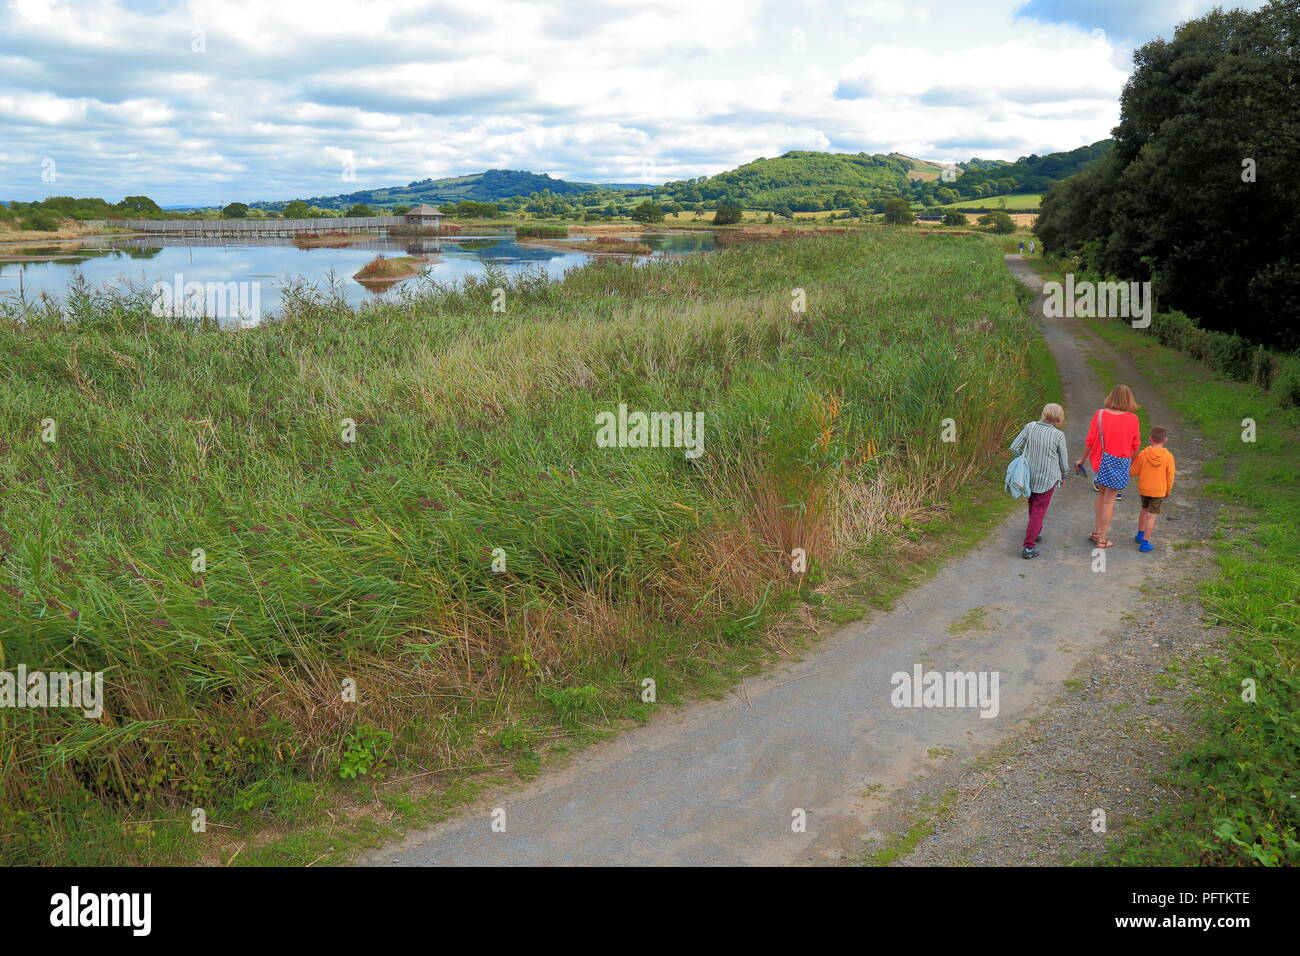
(1154, 467)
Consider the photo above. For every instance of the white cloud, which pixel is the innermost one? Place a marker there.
(601, 90)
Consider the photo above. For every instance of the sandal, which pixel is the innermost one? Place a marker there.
(1107, 543)
(1094, 536)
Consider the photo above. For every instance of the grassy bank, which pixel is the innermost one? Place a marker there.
(415, 558)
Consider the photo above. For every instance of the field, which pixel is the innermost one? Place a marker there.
(354, 542)
(1015, 201)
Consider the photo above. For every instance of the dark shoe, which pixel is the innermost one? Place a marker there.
(1038, 539)
(1029, 553)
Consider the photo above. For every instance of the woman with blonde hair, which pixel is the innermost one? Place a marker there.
(1043, 445)
(1114, 437)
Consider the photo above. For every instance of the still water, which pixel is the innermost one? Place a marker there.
(271, 263)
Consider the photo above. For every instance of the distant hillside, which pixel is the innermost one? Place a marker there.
(797, 181)
(1029, 174)
(807, 181)
(494, 185)
(922, 169)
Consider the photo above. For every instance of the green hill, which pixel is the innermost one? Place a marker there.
(493, 185)
(1030, 174)
(799, 181)
(806, 181)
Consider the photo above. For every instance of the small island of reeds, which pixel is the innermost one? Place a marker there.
(384, 271)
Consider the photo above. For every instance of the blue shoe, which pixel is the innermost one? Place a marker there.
(1146, 546)
(1140, 537)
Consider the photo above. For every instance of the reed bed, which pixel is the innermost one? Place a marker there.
(384, 269)
(540, 231)
(472, 561)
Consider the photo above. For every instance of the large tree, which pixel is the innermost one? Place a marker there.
(648, 212)
(898, 212)
(140, 205)
(1200, 192)
(727, 214)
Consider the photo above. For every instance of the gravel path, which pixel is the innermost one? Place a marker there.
(819, 742)
(1112, 730)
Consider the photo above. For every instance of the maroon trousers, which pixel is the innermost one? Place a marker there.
(1038, 504)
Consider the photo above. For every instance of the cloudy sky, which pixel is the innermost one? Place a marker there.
(212, 101)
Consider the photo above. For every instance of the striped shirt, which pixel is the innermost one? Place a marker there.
(1043, 446)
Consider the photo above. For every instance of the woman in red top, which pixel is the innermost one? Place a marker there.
(1114, 437)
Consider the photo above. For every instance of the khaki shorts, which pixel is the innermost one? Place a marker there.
(1151, 504)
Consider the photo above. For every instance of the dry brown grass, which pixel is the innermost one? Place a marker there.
(68, 229)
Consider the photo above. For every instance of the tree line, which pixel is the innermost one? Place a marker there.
(1199, 195)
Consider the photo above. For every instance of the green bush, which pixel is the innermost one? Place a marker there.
(1232, 356)
(1286, 380)
(41, 222)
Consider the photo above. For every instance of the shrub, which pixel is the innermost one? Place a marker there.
(998, 221)
(1232, 356)
(41, 222)
(727, 215)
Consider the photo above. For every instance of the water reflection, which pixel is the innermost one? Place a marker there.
(278, 263)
